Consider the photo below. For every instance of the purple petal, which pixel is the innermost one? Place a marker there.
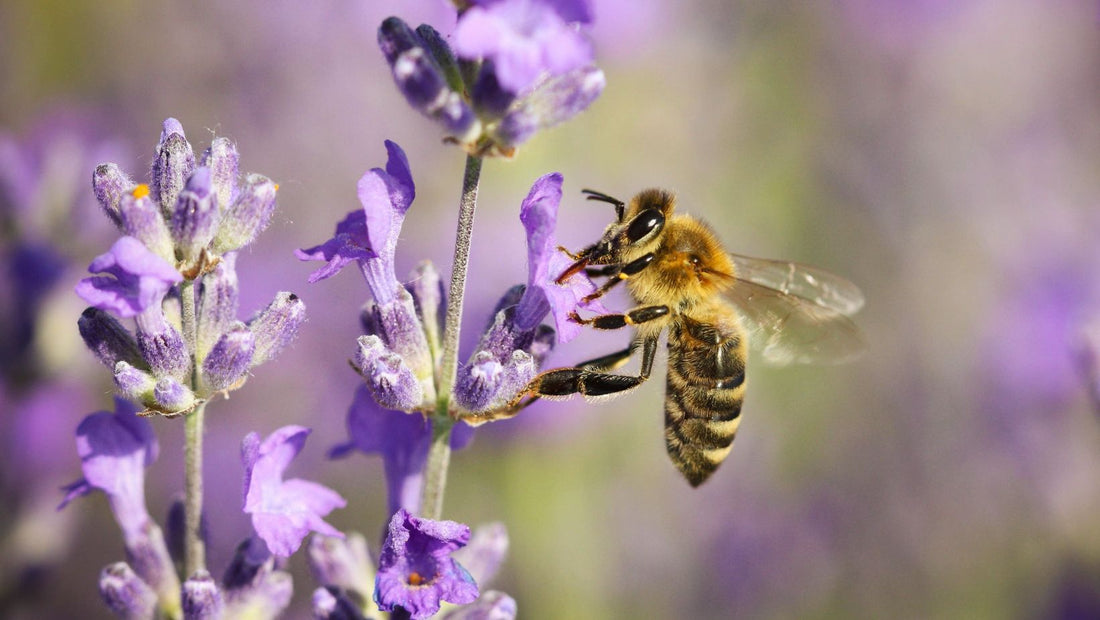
(349, 244)
(283, 512)
(114, 450)
(544, 263)
(141, 279)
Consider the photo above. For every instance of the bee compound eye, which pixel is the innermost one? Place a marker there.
(644, 224)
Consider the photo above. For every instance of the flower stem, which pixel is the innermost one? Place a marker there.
(453, 322)
(435, 470)
(194, 550)
(439, 454)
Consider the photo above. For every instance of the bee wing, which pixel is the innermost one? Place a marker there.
(817, 286)
(786, 328)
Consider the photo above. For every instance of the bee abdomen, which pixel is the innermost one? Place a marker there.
(702, 411)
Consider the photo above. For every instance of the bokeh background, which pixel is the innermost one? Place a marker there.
(943, 154)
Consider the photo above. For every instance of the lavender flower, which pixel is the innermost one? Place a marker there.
(525, 39)
(525, 66)
(137, 279)
(283, 511)
(115, 448)
(416, 571)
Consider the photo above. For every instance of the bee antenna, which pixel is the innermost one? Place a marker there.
(602, 197)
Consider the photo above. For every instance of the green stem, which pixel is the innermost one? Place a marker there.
(453, 322)
(194, 551)
(435, 470)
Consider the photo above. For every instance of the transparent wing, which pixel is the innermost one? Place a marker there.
(814, 285)
(786, 328)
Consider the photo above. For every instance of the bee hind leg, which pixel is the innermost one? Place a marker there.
(591, 379)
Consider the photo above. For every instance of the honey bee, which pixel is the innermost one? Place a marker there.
(711, 302)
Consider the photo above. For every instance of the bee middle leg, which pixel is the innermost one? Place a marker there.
(637, 316)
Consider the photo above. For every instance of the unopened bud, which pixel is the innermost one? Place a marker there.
(229, 360)
(173, 163)
(107, 338)
(276, 326)
(109, 183)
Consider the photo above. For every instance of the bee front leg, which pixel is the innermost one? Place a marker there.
(618, 273)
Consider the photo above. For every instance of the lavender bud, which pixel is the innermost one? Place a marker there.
(334, 603)
(134, 384)
(125, 593)
(391, 381)
(109, 183)
(250, 557)
(171, 397)
(223, 160)
(195, 217)
(107, 338)
(142, 219)
(173, 163)
(426, 288)
(428, 87)
(248, 215)
(164, 351)
(219, 297)
(478, 382)
(229, 359)
(395, 37)
(397, 323)
(443, 56)
(201, 599)
(276, 326)
(490, 99)
(148, 554)
(342, 562)
(253, 584)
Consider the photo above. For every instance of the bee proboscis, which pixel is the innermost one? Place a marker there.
(710, 301)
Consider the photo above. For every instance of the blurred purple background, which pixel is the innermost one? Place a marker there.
(942, 155)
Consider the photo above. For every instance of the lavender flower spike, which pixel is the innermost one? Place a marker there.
(283, 511)
(369, 237)
(137, 279)
(416, 571)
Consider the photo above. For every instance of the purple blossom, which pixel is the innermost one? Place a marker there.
(551, 102)
(525, 39)
(283, 511)
(370, 236)
(416, 571)
(125, 593)
(539, 213)
(115, 448)
(137, 279)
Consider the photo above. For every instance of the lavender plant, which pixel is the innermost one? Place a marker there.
(174, 273)
(517, 66)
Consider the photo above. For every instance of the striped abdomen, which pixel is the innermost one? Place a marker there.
(706, 384)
